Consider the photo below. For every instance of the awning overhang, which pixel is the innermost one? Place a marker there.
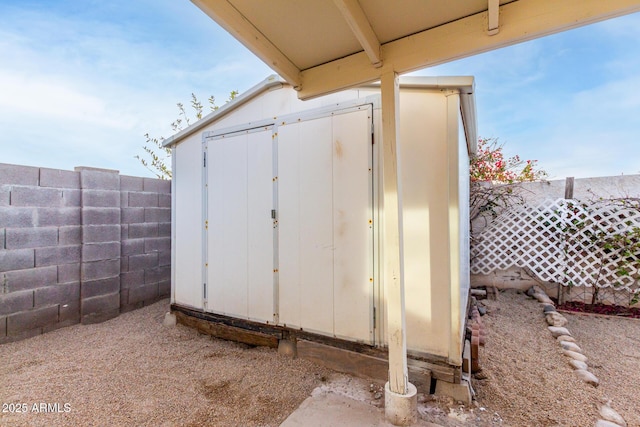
(325, 46)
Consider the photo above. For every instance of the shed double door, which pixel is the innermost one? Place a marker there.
(290, 224)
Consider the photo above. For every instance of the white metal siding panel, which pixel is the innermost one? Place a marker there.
(240, 234)
(276, 103)
(188, 224)
(316, 225)
(463, 219)
(306, 225)
(325, 239)
(260, 226)
(352, 230)
(227, 236)
(288, 225)
(266, 105)
(425, 193)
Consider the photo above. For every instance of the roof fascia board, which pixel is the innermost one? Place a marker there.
(229, 18)
(465, 84)
(469, 117)
(273, 81)
(521, 20)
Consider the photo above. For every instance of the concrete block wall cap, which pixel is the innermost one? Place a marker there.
(88, 168)
(19, 175)
(59, 178)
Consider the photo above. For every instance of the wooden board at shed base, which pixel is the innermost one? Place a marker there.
(340, 355)
(227, 332)
(362, 365)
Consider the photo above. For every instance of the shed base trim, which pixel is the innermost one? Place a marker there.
(341, 355)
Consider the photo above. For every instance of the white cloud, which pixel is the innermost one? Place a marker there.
(82, 86)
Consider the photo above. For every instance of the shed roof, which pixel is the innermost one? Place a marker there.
(322, 46)
(464, 84)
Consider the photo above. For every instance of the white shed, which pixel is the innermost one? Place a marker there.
(277, 206)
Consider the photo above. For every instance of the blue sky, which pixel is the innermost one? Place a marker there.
(81, 82)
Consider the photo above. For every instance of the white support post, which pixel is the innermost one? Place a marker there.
(400, 395)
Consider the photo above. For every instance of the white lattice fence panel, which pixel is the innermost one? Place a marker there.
(562, 241)
(523, 237)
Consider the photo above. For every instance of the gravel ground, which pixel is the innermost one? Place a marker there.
(133, 371)
(529, 381)
(613, 347)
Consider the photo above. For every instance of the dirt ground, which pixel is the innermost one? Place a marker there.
(133, 371)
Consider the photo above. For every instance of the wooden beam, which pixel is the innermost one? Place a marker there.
(393, 264)
(420, 361)
(229, 18)
(521, 20)
(493, 11)
(226, 332)
(362, 365)
(361, 28)
(568, 187)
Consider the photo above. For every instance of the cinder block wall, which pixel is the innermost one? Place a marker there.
(146, 241)
(79, 246)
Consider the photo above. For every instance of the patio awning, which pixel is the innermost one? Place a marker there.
(321, 46)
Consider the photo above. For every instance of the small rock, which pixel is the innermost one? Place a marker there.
(538, 290)
(604, 423)
(575, 356)
(531, 291)
(571, 346)
(543, 298)
(557, 331)
(556, 319)
(608, 414)
(169, 319)
(479, 293)
(378, 403)
(566, 338)
(480, 376)
(482, 310)
(458, 415)
(377, 395)
(548, 308)
(422, 398)
(587, 377)
(577, 364)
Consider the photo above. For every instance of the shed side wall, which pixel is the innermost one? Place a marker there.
(187, 172)
(425, 176)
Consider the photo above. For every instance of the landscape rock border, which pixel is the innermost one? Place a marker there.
(577, 360)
